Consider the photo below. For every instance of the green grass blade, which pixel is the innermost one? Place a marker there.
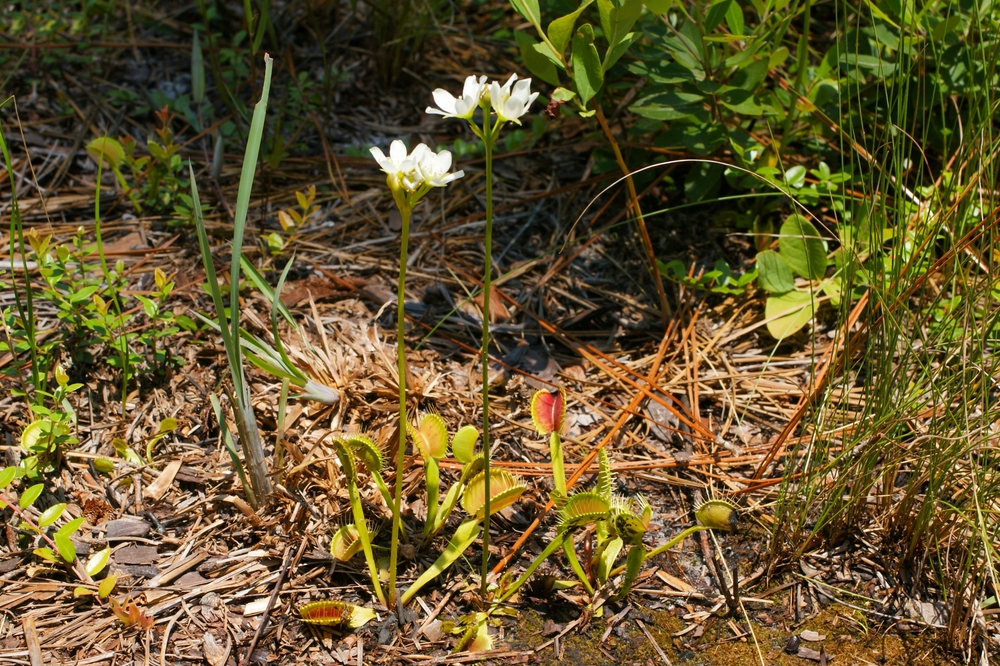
(240, 218)
(26, 311)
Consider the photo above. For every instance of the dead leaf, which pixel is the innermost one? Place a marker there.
(811, 636)
(215, 654)
(157, 489)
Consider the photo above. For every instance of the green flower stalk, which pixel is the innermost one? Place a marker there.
(509, 102)
(409, 177)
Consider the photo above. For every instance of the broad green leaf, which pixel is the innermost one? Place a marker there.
(106, 586)
(796, 176)
(29, 496)
(775, 276)
(617, 22)
(66, 548)
(802, 248)
(72, 526)
(716, 12)
(587, 73)
(740, 101)
(563, 95)
(619, 49)
(672, 105)
(544, 51)
(561, 29)
(529, 10)
(788, 313)
(534, 60)
(702, 181)
(734, 18)
(51, 514)
(98, 561)
(7, 475)
(82, 592)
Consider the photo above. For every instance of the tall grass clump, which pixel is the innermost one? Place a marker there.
(259, 487)
(901, 439)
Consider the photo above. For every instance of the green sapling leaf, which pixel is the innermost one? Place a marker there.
(97, 562)
(803, 248)
(51, 514)
(29, 496)
(66, 548)
(587, 72)
(788, 312)
(7, 475)
(774, 274)
(561, 29)
(537, 58)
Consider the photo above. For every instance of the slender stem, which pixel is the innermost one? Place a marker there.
(646, 241)
(488, 137)
(404, 212)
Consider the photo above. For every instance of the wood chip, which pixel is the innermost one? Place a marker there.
(31, 638)
(136, 555)
(124, 528)
(158, 488)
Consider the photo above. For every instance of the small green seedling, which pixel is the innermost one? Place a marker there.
(60, 548)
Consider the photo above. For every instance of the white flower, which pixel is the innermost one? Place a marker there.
(433, 168)
(398, 165)
(416, 172)
(461, 107)
(511, 104)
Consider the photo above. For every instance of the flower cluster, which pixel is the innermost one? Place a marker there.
(412, 175)
(509, 101)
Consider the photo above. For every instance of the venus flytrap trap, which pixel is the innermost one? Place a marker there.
(409, 176)
(619, 523)
(509, 102)
(348, 453)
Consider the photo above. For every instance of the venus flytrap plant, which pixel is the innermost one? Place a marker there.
(506, 489)
(509, 102)
(619, 522)
(548, 413)
(346, 454)
(431, 440)
(463, 446)
(409, 177)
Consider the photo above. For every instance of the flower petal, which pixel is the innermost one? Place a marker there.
(445, 101)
